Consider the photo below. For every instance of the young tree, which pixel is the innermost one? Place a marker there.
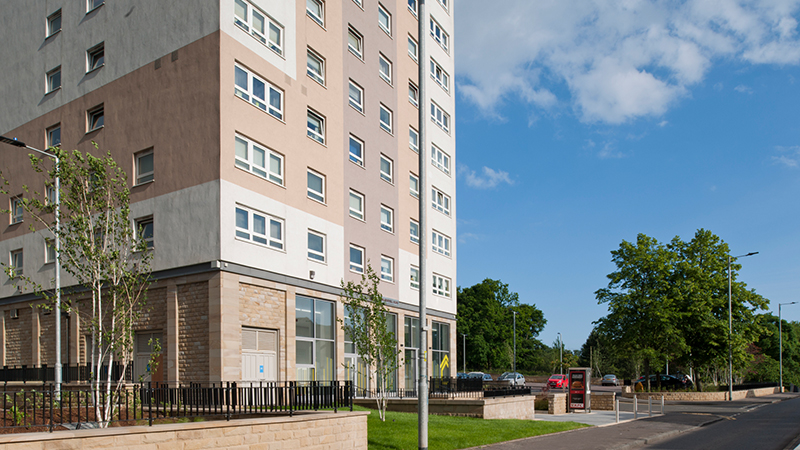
(368, 329)
(105, 254)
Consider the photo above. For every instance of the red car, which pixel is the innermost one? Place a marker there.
(557, 381)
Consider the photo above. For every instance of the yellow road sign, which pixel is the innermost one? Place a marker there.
(445, 363)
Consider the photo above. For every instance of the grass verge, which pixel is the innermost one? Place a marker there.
(399, 432)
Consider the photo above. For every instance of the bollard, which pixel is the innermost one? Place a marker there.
(649, 406)
(662, 404)
(616, 408)
(635, 407)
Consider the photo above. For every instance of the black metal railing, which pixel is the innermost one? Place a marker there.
(69, 373)
(73, 408)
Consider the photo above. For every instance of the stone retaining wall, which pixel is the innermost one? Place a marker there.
(690, 396)
(316, 431)
(602, 401)
(521, 407)
(557, 404)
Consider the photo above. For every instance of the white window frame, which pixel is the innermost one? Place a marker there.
(387, 176)
(49, 251)
(319, 77)
(247, 93)
(440, 285)
(386, 29)
(54, 23)
(413, 135)
(440, 159)
(356, 266)
(440, 201)
(318, 136)
(95, 118)
(316, 255)
(317, 18)
(439, 35)
(413, 8)
(359, 38)
(414, 277)
(53, 80)
(387, 127)
(248, 163)
(313, 194)
(50, 194)
(412, 225)
(444, 5)
(440, 76)
(440, 117)
(386, 75)
(356, 159)
(141, 223)
(415, 54)
(248, 24)
(357, 104)
(356, 213)
(387, 224)
(359, 3)
(143, 177)
(440, 243)
(52, 141)
(413, 180)
(17, 210)
(264, 239)
(387, 276)
(91, 5)
(413, 93)
(17, 262)
(96, 57)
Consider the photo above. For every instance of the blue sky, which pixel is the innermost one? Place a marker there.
(581, 124)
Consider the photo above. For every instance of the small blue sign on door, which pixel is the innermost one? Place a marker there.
(260, 369)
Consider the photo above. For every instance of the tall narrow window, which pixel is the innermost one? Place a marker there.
(95, 57)
(414, 231)
(412, 48)
(316, 127)
(356, 259)
(414, 277)
(315, 67)
(386, 118)
(54, 136)
(386, 169)
(387, 269)
(413, 139)
(316, 10)
(54, 79)
(412, 6)
(413, 94)
(385, 68)
(93, 4)
(316, 246)
(440, 337)
(355, 43)
(356, 97)
(356, 150)
(261, 93)
(144, 231)
(16, 210)
(54, 23)
(356, 205)
(259, 160)
(95, 119)
(316, 186)
(144, 166)
(384, 19)
(387, 219)
(16, 262)
(49, 251)
(315, 325)
(414, 183)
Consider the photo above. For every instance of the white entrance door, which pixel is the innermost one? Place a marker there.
(259, 355)
(145, 344)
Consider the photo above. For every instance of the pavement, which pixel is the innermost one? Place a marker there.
(606, 434)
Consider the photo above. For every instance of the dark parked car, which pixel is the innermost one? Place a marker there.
(610, 380)
(481, 375)
(667, 382)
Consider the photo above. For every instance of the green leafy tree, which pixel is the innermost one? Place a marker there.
(368, 329)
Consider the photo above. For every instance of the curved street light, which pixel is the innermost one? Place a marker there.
(730, 326)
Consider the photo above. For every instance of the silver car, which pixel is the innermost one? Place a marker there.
(513, 378)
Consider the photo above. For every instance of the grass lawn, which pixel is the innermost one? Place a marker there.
(399, 432)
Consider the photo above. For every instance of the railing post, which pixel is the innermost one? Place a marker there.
(649, 406)
(616, 408)
(51, 408)
(635, 407)
(662, 404)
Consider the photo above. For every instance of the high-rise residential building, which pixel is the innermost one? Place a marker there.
(271, 148)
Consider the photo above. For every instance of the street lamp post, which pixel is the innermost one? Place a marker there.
(464, 350)
(514, 366)
(780, 339)
(560, 356)
(730, 326)
(57, 204)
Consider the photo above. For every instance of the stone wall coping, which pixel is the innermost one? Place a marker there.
(692, 396)
(19, 438)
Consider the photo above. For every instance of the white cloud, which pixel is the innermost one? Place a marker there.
(610, 151)
(742, 89)
(618, 60)
(788, 156)
(663, 123)
(487, 179)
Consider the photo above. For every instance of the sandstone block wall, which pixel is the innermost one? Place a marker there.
(602, 401)
(193, 345)
(557, 404)
(703, 396)
(18, 337)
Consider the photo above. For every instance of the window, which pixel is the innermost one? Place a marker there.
(440, 159)
(93, 4)
(259, 228)
(144, 166)
(254, 89)
(16, 210)
(440, 337)
(50, 194)
(259, 25)
(316, 10)
(386, 118)
(438, 34)
(413, 139)
(387, 219)
(316, 186)
(441, 202)
(16, 262)
(315, 330)
(95, 57)
(384, 19)
(386, 168)
(356, 150)
(441, 285)
(414, 277)
(440, 76)
(444, 4)
(412, 48)
(355, 43)
(54, 136)
(252, 157)
(413, 94)
(414, 231)
(356, 205)
(316, 127)
(412, 6)
(356, 97)
(49, 251)
(316, 246)
(144, 231)
(440, 117)
(387, 269)
(356, 259)
(440, 243)
(53, 80)
(385, 68)
(414, 183)
(315, 67)
(358, 2)
(54, 23)
(94, 119)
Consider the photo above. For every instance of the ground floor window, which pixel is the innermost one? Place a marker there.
(411, 349)
(440, 345)
(315, 343)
